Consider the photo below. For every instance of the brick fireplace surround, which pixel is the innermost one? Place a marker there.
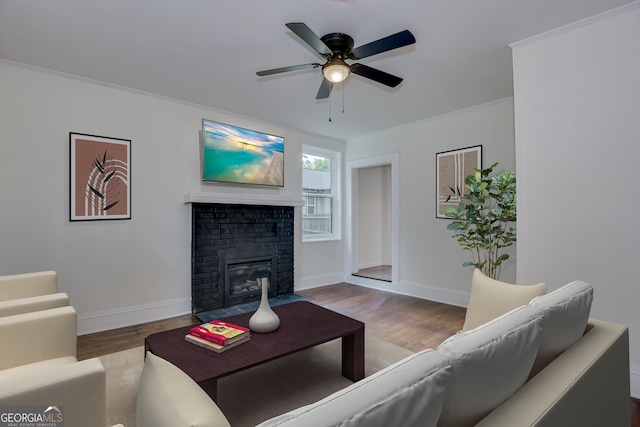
(222, 228)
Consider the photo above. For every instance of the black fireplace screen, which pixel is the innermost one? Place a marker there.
(241, 271)
(243, 279)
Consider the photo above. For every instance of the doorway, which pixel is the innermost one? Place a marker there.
(374, 230)
(373, 222)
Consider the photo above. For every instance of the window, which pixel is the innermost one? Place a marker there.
(320, 191)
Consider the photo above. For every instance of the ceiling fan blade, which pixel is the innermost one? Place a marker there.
(376, 75)
(287, 69)
(325, 89)
(394, 41)
(309, 37)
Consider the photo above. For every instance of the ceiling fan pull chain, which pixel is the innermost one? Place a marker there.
(329, 108)
(343, 89)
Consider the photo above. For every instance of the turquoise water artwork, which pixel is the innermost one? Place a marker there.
(236, 155)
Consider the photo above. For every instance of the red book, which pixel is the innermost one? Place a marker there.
(214, 347)
(219, 332)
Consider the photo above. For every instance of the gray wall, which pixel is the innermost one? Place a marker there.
(577, 105)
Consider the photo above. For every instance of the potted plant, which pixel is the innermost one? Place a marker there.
(484, 220)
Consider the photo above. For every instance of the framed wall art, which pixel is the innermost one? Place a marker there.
(100, 178)
(452, 167)
(231, 154)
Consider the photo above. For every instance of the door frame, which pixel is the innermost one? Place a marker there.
(351, 231)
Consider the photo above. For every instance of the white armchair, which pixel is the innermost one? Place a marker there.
(26, 285)
(27, 305)
(38, 367)
(23, 293)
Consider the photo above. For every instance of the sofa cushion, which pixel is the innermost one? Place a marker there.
(491, 298)
(167, 397)
(489, 363)
(407, 393)
(566, 311)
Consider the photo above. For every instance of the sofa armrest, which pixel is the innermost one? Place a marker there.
(30, 304)
(78, 388)
(37, 336)
(167, 397)
(28, 285)
(587, 385)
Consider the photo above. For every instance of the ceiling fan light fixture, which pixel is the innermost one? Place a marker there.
(336, 70)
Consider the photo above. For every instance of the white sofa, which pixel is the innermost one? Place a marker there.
(542, 364)
(38, 367)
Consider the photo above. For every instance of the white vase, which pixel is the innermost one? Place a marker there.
(264, 319)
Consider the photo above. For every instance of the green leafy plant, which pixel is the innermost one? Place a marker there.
(484, 220)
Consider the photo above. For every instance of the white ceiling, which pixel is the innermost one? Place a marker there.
(208, 51)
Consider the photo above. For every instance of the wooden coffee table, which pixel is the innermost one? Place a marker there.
(302, 325)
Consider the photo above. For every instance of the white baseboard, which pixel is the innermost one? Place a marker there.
(434, 293)
(635, 381)
(418, 290)
(371, 283)
(99, 321)
(317, 281)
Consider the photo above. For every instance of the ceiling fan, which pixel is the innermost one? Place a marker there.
(335, 48)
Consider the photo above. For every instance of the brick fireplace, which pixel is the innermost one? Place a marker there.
(233, 246)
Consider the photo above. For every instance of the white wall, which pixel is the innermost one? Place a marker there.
(430, 259)
(577, 105)
(128, 271)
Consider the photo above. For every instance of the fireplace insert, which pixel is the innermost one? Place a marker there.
(240, 270)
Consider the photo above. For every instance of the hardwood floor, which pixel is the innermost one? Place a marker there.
(101, 343)
(408, 322)
(381, 272)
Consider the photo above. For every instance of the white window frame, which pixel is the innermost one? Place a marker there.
(336, 193)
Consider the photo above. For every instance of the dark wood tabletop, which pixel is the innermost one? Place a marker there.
(302, 325)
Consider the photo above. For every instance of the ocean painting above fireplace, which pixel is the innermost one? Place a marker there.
(236, 155)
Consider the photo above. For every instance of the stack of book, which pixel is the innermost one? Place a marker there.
(218, 336)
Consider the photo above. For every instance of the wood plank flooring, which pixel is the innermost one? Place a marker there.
(408, 322)
(380, 272)
(101, 343)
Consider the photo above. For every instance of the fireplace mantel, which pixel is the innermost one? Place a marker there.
(233, 199)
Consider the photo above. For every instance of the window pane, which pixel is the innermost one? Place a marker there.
(316, 219)
(310, 205)
(316, 187)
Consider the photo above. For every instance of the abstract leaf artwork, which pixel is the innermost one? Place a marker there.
(100, 177)
(452, 167)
